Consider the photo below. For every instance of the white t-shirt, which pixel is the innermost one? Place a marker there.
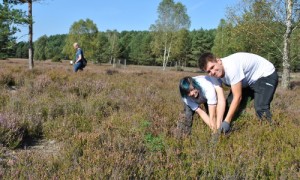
(245, 67)
(207, 93)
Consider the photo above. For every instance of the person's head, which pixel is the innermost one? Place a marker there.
(212, 65)
(76, 45)
(189, 87)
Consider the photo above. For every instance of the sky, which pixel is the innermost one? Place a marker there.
(52, 17)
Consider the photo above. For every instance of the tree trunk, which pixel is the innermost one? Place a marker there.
(30, 48)
(168, 54)
(285, 81)
(165, 52)
(114, 63)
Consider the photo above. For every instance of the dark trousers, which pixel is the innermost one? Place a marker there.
(262, 91)
(78, 66)
(186, 119)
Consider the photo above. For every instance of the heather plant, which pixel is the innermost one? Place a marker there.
(103, 123)
(7, 79)
(12, 130)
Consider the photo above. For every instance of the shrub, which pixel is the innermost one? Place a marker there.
(7, 79)
(12, 131)
(56, 59)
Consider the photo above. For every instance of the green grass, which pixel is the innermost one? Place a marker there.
(106, 123)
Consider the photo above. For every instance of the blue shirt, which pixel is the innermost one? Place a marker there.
(79, 52)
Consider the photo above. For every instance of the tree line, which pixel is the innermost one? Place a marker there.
(136, 47)
(265, 27)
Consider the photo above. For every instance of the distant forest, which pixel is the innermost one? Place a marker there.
(267, 28)
(136, 47)
(132, 46)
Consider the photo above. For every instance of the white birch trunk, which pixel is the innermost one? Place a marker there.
(285, 81)
(30, 48)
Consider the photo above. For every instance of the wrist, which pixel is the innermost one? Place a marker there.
(226, 121)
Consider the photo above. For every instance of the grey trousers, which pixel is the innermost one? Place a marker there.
(185, 121)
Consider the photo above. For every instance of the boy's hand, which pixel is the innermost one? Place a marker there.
(225, 127)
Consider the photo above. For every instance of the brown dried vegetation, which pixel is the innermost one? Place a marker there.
(116, 123)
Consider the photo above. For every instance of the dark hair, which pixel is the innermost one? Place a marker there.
(205, 58)
(186, 84)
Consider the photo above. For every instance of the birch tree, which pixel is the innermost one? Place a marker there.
(172, 18)
(113, 41)
(283, 19)
(291, 24)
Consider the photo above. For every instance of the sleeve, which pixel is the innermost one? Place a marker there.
(194, 106)
(211, 96)
(235, 73)
(214, 81)
(209, 90)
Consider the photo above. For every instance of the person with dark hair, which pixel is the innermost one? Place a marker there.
(248, 75)
(79, 58)
(201, 90)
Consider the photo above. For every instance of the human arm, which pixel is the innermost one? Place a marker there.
(212, 117)
(220, 106)
(204, 116)
(236, 90)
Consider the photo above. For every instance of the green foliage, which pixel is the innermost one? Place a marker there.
(295, 54)
(125, 39)
(182, 47)
(172, 18)
(223, 45)
(202, 41)
(154, 143)
(101, 52)
(85, 33)
(48, 48)
(40, 48)
(140, 53)
(56, 59)
(22, 50)
(9, 18)
(253, 26)
(113, 45)
(55, 46)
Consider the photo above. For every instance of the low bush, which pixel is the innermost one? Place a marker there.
(56, 59)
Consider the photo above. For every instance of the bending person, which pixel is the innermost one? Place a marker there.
(248, 75)
(201, 90)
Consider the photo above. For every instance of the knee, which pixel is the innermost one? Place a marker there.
(185, 123)
(188, 114)
(186, 118)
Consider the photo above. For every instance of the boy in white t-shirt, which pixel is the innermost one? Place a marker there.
(248, 75)
(199, 90)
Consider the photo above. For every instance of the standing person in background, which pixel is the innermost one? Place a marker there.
(201, 90)
(248, 75)
(79, 57)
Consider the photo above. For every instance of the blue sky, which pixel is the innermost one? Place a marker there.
(53, 17)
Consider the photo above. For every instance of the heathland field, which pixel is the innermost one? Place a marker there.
(117, 123)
